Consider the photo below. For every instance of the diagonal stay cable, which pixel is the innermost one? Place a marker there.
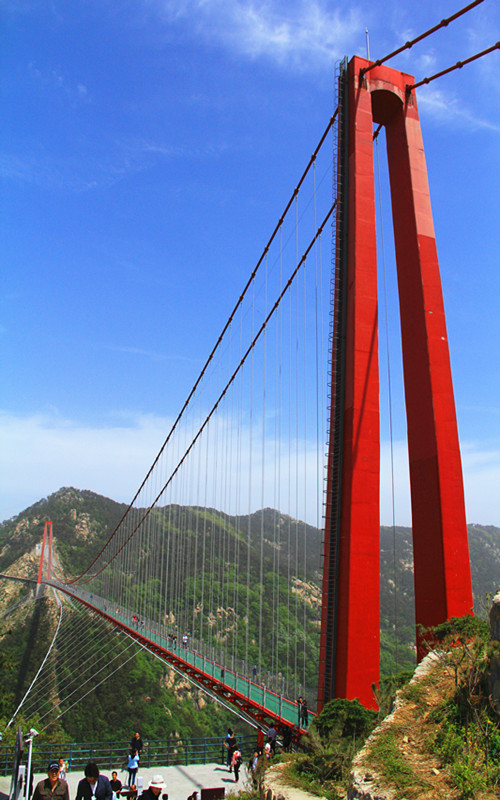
(93, 658)
(89, 679)
(34, 701)
(93, 688)
(43, 662)
(312, 159)
(222, 394)
(74, 639)
(24, 601)
(219, 699)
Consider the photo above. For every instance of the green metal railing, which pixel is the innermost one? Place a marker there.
(267, 692)
(113, 755)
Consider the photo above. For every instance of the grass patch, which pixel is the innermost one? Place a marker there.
(389, 761)
(305, 773)
(414, 692)
(335, 735)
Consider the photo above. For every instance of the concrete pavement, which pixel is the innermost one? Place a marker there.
(181, 781)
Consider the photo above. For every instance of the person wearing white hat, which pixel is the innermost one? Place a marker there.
(156, 786)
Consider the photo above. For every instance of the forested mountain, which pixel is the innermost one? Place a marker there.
(145, 694)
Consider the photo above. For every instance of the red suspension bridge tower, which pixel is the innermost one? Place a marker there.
(350, 631)
(46, 542)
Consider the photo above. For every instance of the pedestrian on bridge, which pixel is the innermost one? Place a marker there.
(52, 787)
(271, 735)
(300, 702)
(304, 714)
(94, 786)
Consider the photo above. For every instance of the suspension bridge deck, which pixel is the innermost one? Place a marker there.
(255, 702)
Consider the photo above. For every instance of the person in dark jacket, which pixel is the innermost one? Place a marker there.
(231, 745)
(94, 786)
(52, 787)
(305, 714)
(136, 743)
(271, 735)
(156, 786)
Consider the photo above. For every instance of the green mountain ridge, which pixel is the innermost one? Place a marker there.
(83, 521)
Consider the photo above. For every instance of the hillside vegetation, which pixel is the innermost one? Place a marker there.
(441, 740)
(145, 693)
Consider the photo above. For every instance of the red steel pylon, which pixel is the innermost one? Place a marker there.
(350, 631)
(47, 540)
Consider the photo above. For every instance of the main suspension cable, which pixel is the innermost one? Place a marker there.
(407, 45)
(249, 283)
(458, 65)
(217, 403)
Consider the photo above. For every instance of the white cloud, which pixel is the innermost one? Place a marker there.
(481, 465)
(481, 471)
(137, 351)
(42, 452)
(97, 164)
(305, 35)
(444, 107)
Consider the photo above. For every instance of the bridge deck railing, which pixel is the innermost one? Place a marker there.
(267, 689)
(113, 755)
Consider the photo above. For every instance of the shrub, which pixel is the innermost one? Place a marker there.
(344, 719)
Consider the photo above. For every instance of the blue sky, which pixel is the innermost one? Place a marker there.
(146, 152)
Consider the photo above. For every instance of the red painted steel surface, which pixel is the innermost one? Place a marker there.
(325, 678)
(49, 567)
(40, 568)
(441, 553)
(358, 614)
(46, 527)
(442, 568)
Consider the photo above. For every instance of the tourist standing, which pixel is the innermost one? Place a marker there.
(236, 763)
(305, 714)
(271, 735)
(229, 741)
(52, 787)
(136, 743)
(299, 708)
(132, 766)
(63, 769)
(94, 786)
